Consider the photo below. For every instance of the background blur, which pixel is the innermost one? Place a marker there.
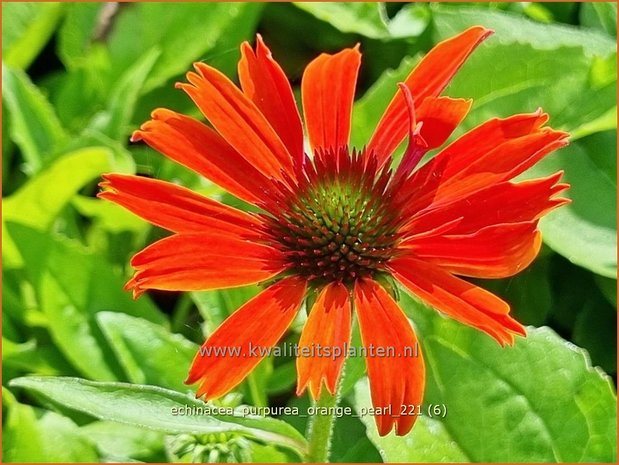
(77, 78)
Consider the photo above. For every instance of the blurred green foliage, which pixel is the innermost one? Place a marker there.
(79, 77)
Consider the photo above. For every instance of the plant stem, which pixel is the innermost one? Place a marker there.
(320, 427)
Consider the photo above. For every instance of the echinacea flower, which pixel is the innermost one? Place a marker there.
(335, 222)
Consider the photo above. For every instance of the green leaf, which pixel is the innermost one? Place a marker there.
(266, 454)
(562, 81)
(528, 293)
(430, 440)
(349, 443)
(148, 353)
(33, 435)
(184, 34)
(282, 379)
(537, 401)
(40, 201)
(121, 443)
(31, 357)
(609, 289)
(585, 231)
(355, 367)
(115, 119)
(367, 19)
(511, 28)
(600, 15)
(78, 30)
(411, 21)
(153, 408)
(108, 216)
(26, 28)
(34, 125)
(596, 330)
(72, 285)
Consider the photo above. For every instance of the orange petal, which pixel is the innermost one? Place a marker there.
(176, 208)
(264, 82)
(243, 340)
(193, 262)
(506, 202)
(397, 379)
(493, 152)
(196, 146)
(324, 341)
(457, 298)
(501, 164)
(428, 79)
(238, 120)
(328, 91)
(496, 251)
(440, 116)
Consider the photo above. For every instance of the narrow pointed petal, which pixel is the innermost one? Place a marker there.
(396, 382)
(494, 152)
(238, 120)
(194, 262)
(199, 148)
(328, 91)
(457, 298)
(428, 79)
(265, 84)
(496, 251)
(501, 164)
(176, 208)
(328, 327)
(506, 202)
(243, 340)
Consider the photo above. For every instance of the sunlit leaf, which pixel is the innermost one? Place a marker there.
(585, 232)
(430, 440)
(32, 435)
(365, 18)
(114, 120)
(148, 352)
(26, 28)
(34, 125)
(511, 28)
(153, 408)
(600, 15)
(538, 401)
(184, 33)
(79, 29)
(72, 285)
(121, 443)
(40, 200)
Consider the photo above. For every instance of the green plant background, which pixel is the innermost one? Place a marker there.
(90, 375)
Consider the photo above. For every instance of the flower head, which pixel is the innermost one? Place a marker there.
(335, 222)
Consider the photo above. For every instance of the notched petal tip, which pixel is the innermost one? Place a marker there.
(134, 286)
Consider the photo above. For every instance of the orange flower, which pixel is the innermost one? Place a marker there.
(336, 221)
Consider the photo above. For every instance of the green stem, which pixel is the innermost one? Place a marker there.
(320, 427)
